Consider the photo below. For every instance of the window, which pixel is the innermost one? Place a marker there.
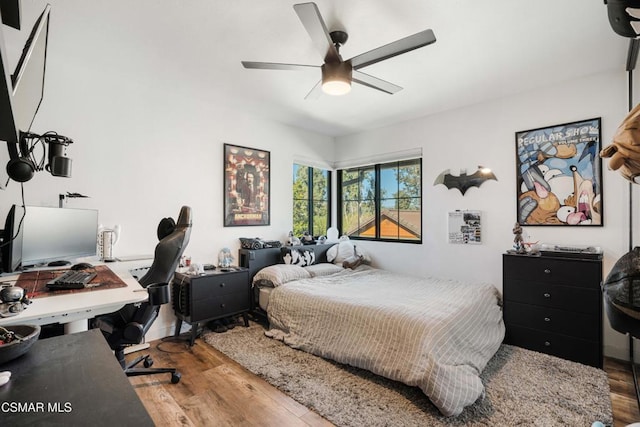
(382, 202)
(311, 200)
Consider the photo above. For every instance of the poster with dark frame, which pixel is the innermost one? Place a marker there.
(246, 186)
(559, 175)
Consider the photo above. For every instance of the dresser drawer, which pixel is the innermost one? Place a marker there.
(568, 298)
(578, 350)
(553, 320)
(570, 272)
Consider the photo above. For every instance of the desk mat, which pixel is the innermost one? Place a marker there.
(35, 282)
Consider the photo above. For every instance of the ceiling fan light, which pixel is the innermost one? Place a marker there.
(336, 87)
(336, 78)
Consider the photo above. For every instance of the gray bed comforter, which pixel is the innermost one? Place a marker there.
(432, 333)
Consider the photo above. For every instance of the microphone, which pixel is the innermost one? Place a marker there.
(59, 164)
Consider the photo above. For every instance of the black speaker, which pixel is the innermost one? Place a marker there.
(21, 169)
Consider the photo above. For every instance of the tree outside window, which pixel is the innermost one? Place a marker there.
(311, 200)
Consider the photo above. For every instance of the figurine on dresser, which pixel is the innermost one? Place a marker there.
(518, 241)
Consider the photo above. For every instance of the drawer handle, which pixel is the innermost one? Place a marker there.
(547, 295)
(547, 344)
(222, 285)
(547, 271)
(547, 319)
(222, 305)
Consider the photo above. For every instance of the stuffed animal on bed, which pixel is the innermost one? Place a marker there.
(346, 254)
(293, 240)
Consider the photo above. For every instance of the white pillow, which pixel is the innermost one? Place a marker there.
(279, 274)
(343, 251)
(323, 269)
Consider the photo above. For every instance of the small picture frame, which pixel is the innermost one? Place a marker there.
(465, 227)
(246, 186)
(559, 175)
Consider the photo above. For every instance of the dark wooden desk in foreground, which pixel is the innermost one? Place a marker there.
(70, 380)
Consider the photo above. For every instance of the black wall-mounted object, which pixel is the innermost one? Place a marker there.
(463, 181)
(620, 19)
(11, 11)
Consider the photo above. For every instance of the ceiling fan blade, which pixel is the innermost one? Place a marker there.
(315, 92)
(314, 24)
(374, 82)
(395, 48)
(276, 66)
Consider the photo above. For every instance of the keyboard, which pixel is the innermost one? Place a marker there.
(71, 280)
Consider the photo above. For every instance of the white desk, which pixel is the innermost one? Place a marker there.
(75, 309)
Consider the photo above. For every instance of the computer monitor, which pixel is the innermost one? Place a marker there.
(58, 236)
(22, 91)
(12, 240)
(29, 76)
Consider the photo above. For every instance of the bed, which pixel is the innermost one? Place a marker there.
(431, 333)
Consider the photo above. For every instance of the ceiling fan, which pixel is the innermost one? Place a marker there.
(337, 74)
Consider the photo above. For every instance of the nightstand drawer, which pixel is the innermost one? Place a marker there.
(576, 299)
(217, 285)
(569, 272)
(553, 320)
(220, 306)
(582, 351)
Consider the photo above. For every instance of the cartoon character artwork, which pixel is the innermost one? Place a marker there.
(559, 175)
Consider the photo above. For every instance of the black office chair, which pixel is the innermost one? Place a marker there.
(128, 325)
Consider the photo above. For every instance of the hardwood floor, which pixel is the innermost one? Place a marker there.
(623, 394)
(216, 391)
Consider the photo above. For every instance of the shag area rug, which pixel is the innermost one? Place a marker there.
(522, 387)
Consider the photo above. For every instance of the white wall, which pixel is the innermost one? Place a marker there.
(142, 149)
(147, 141)
(485, 135)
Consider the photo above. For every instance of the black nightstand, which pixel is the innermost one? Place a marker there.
(554, 305)
(213, 295)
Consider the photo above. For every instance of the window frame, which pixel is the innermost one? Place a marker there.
(378, 200)
(310, 196)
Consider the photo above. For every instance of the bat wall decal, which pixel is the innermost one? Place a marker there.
(463, 182)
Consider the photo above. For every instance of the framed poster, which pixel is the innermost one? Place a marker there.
(465, 227)
(559, 175)
(246, 186)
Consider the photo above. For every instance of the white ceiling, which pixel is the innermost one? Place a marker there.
(484, 50)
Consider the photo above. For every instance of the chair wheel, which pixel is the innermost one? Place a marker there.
(175, 377)
(148, 362)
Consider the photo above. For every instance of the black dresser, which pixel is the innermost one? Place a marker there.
(554, 305)
(213, 295)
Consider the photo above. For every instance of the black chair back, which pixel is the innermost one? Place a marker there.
(168, 251)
